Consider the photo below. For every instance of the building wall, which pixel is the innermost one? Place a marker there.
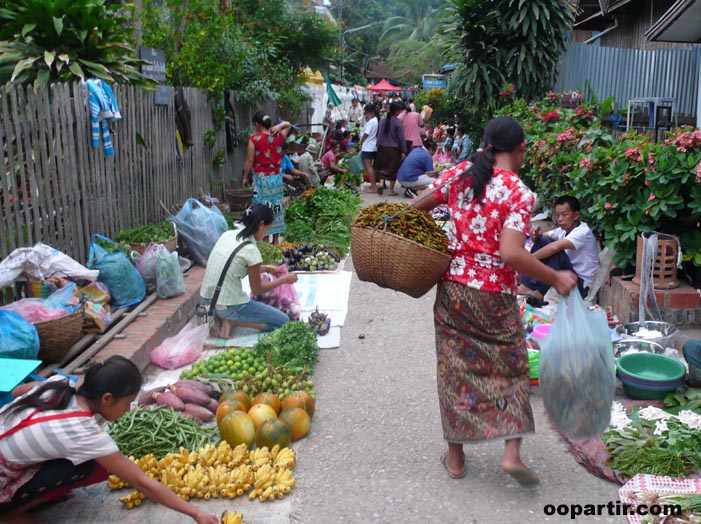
(632, 24)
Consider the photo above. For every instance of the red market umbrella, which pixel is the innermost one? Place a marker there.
(382, 86)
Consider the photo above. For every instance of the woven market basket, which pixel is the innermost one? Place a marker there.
(171, 244)
(391, 261)
(57, 337)
(239, 199)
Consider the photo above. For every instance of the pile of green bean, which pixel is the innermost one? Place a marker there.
(412, 224)
(159, 431)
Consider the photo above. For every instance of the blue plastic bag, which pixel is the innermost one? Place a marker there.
(577, 369)
(200, 227)
(18, 338)
(124, 282)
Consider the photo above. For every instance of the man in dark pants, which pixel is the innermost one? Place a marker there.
(571, 246)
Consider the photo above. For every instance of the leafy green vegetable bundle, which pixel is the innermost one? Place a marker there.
(159, 232)
(323, 218)
(293, 346)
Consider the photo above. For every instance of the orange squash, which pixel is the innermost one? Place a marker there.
(271, 432)
(238, 428)
(239, 395)
(260, 413)
(268, 398)
(229, 406)
(299, 399)
(299, 422)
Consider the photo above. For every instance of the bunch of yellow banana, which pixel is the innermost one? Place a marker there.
(283, 457)
(260, 457)
(218, 471)
(231, 517)
(271, 483)
(132, 500)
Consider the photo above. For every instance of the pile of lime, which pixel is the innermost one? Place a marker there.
(237, 363)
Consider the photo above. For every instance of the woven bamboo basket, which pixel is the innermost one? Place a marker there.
(57, 337)
(393, 262)
(171, 244)
(239, 199)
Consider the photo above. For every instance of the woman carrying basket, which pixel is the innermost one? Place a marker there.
(483, 371)
(264, 156)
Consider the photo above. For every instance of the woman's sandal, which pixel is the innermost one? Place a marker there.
(444, 461)
(523, 476)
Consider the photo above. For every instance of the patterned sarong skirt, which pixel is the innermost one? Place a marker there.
(483, 371)
(268, 190)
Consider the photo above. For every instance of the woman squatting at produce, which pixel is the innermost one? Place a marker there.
(50, 442)
(483, 371)
(234, 308)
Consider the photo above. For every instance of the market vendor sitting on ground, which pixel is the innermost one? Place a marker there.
(571, 246)
(296, 178)
(329, 162)
(416, 172)
(233, 307)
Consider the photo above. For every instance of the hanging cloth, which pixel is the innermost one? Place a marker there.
(232, 137)
(103, 108)
(183, 117)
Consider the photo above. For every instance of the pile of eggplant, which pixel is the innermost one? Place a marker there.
(320, 322)
(308, 257)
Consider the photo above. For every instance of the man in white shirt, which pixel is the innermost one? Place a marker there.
(355, 115)
(571, 246)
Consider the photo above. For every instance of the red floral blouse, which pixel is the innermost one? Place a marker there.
(268, 153)
(475, 227)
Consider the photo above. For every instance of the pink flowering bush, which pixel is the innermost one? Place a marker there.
(626, 185)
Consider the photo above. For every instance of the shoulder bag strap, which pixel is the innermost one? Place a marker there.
(217, 289)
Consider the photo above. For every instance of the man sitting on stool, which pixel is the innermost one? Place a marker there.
(571, 246)
(416, 172)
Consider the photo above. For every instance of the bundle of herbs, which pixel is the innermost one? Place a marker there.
(159, 232)
(323, 217)
(293, 345)
(654, 441)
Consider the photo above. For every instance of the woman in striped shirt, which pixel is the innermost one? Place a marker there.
(50, 442)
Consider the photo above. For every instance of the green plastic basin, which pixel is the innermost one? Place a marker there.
(651, 367)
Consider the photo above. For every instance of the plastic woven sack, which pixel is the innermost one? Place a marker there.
(577, 369)
(169, 278)
(124, 282)
(18, 338)
(181, 349)
(199, 227)
(283, 297)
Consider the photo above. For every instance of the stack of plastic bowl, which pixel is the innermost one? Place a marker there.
(635, 345)
(540, 333)
(647, 376)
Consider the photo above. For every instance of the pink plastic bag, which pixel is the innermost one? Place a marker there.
(146, 265)
(283, 297)
(33, 310)
(181, 349)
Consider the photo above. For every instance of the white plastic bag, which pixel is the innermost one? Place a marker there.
(181, 349)
(577, 369)
(39, 263)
